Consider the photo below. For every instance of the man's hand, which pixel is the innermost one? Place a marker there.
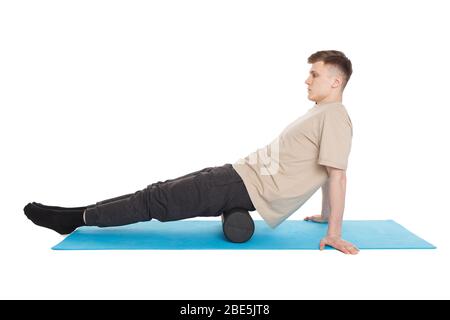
(339, 244)
(317, 218)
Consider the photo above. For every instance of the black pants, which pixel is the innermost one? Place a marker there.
(203, 193)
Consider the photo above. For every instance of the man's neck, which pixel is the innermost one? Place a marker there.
(331, 100)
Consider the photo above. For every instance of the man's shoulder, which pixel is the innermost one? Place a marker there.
(338, 116)
(338, 110)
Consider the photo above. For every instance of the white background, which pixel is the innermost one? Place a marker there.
(102, 98)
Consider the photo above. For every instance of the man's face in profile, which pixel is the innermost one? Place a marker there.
(320, 81)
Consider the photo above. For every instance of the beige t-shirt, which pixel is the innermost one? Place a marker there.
(281, 176)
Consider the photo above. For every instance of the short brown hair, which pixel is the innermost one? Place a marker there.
(334, 58)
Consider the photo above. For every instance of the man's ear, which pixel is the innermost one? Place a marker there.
(338, 80)
(336, 75)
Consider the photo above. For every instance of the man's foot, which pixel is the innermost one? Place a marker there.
(37, 204)
(62, 221)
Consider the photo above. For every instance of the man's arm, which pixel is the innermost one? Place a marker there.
(337, 183)
(326, 200)
(335, 202)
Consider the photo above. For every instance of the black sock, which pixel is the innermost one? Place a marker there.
(57, 208)
(62, 221)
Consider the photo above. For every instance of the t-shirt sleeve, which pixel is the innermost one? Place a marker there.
(335, 140)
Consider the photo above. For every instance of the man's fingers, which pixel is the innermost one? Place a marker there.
(340, 245)
(342, 248)
(350, 250)
(314, 219)
(322, 245)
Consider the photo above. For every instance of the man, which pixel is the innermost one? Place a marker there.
(311, 153)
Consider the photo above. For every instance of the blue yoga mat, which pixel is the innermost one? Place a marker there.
(198, 234)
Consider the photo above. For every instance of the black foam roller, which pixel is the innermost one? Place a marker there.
(238, 225)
